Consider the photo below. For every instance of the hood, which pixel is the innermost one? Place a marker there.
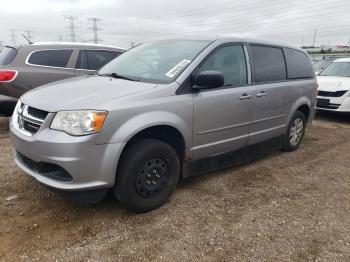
(333, 83)
(82, 93)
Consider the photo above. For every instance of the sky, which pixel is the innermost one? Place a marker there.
(126, 22)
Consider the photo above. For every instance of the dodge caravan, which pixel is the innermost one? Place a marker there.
(164, 111)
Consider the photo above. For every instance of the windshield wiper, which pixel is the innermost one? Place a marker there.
(115, 75)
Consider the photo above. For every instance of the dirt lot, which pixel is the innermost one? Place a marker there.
(287, 206)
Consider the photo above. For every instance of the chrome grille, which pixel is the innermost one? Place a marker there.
(37, 113)
(28, 120)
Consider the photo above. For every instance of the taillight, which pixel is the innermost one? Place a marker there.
(7, 75)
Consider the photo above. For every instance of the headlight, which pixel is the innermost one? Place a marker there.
(78, 123)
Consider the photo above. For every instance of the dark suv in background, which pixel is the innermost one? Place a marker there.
(33, 65)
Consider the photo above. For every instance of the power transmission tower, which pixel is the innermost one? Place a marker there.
(13, 36)
(313, 43)
(95, 29)
(71, 26)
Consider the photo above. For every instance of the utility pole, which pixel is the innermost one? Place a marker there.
(13, 36)
(132, 44)
(313, 44)
(95, 29)
(60, 37)
(71, 26)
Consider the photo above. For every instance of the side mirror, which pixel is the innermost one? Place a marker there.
(208, 79)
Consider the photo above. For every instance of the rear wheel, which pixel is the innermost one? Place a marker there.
(295, 132)
(147, 175)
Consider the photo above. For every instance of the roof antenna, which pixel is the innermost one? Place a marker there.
(28, 39)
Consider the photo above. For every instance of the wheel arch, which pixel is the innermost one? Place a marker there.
(302, 104)
(164, 126)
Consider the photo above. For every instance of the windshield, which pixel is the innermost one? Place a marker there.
(337, 69)
(320, 64)
(157, 62)
(7, 55)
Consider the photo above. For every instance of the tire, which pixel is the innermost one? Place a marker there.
(295, 132)
(147, 175)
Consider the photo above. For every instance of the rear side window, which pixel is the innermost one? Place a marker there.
(95, 59)
(268, 64)
(55, 58)
(7, 55)
(298, 64)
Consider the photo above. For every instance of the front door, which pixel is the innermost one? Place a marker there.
(222, 116)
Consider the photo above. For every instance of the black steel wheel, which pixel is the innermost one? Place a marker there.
(152, 177)
(147, 175)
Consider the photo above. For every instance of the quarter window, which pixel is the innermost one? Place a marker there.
(55, 58)
(7, 55)
(298, 64)
(230, 61)
(95, 59)
(268, 64)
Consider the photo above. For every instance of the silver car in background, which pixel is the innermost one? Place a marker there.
(26, 67)
(163, 111)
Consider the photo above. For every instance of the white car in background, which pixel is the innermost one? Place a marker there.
(334, 86)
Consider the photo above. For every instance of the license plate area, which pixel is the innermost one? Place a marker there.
(323, 102)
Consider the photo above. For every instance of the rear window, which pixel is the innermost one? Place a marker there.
(298, 64)
(268, 64)
(55, 58)
(7, 55)
(95, 59)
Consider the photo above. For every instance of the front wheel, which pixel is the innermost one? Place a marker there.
(295, 132)
(147, 175)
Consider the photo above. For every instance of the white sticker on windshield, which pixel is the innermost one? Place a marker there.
(178, 68)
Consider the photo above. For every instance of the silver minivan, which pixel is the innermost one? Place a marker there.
(163, 111)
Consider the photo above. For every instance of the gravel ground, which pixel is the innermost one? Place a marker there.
(287, 206)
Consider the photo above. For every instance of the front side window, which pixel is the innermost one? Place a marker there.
(54, 58)
(230, 61)
(95, 59)
(337, 69)
(156, 62)
(268, 64)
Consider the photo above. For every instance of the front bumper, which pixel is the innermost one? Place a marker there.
(90, 166)
(336, 104)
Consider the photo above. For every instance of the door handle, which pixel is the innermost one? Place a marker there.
(245, 96)
(262, 94)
